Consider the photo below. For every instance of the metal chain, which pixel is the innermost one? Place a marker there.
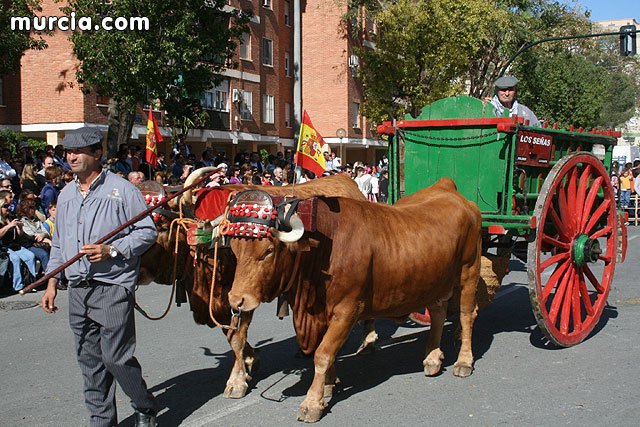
(435, 138)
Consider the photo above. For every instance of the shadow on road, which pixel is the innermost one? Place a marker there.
(398, 353)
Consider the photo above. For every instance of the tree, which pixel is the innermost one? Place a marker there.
(422, 53)
(13, 44)
(515, 23)
(188, 44)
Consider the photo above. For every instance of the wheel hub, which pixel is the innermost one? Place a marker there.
(585, 250)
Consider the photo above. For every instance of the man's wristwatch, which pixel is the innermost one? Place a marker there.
(113, 252)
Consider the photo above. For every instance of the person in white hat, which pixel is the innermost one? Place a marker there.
(506, 98)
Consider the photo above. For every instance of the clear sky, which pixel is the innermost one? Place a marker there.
(612, 9)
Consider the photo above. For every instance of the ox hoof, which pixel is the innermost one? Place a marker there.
(236, 391)
(431, 368)
(433, 363)
(310, 413)
(462, 370)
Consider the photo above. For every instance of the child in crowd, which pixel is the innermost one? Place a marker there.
(625, 188)
(49, 223)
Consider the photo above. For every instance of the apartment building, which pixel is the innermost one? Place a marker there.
(291, 46)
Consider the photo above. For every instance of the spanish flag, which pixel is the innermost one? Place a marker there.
(309, 153)
(153, 137)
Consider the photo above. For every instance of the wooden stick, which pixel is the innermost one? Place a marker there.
(114, 232)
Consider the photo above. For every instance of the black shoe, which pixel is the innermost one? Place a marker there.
(145, 420)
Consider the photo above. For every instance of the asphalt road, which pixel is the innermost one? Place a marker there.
(518, 380)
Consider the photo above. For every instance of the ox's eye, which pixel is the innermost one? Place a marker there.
(266, 253)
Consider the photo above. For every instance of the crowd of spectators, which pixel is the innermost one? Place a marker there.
(31, 181)
(625, 180)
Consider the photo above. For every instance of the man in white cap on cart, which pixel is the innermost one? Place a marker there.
(505, 98)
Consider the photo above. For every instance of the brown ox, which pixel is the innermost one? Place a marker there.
(157, 265)
(365, 261)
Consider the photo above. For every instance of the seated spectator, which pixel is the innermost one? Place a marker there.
(266, 178)
(34, 236)
(49, 223)
(28, 179)
(235, 178)
(135, 177)
(50, 191)
(10, 232)
(30, 195)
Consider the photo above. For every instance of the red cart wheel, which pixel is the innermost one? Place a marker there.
(572, 258)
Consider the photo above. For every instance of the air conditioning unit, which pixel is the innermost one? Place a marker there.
(236, 95)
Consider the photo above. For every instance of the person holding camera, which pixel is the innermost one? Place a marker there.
(10, 235)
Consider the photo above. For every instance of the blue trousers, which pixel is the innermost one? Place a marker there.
(29, 258)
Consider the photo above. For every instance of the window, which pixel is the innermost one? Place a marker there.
(355, 115)
(1, 91)
(266, 3)
(287, 64)
(267, 51)
(287, 114)
(216, 98)
(246, 106)
(268, 109)
(245, 46)
(287, 13)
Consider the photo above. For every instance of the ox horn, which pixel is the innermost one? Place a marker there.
(187, 199)
(297, 229)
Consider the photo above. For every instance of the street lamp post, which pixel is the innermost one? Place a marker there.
(341, 133)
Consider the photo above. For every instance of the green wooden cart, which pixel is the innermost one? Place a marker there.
(541, 190)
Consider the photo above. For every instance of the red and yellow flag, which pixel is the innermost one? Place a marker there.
(309, 152)
(153, 137)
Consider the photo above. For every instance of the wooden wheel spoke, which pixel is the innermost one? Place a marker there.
(557, 223)
(604, 206)
(592, 278)
(582, 191)
(567, 303)
(584, 293)
(605, 231)
(606, 258)
(555, 242)
(554, 259)
(591, 198)
(572, 196)
(563, 210)
(576, 312)
(553, 280)
(558, 297)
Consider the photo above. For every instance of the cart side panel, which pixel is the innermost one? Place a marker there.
(475, 157)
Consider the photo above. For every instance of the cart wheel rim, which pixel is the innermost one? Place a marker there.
(572, 257)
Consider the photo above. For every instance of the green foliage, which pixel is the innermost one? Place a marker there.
(13, 44)
(421, 53)
(186, 47)
(11, 140)
(426, 50)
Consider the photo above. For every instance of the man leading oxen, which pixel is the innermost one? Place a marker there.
(166, 262)
(345, 268)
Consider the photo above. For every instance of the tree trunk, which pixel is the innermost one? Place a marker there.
(120, 125)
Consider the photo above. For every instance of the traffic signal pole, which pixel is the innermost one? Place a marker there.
(625, 31)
